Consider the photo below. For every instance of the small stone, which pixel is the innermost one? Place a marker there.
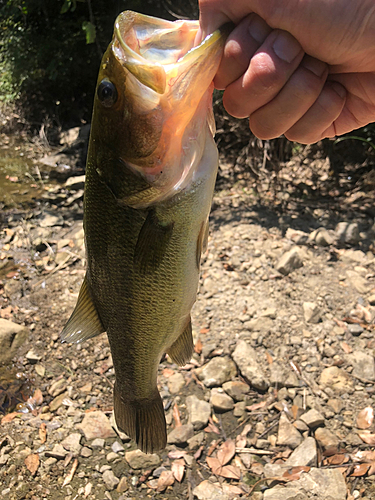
(336, 378)
(86, 452)
(298, 237)
(336, 404)
(49, 219)
(304, 454)
(355, 329)
(111, 481)
(287, 433)
(322, 237)
(117, 447)
(311, 312)
(236, 389)
(196, 441)
(180, 434)
(57, 387)
(122, 485)
(326, 438)
(281, 493)
(246, 359)
(75, 183)
(277, 375)
(371, 300)
(199, 412)
(33, 357)
(139, 460)
(239, 409)
(72, 443)
(96, 425)
(57, 452)
(12, 337)
(324, 484)
(175, 383)
(289, 261)
(358, 282)
(209, 491)
(312, 418)
(221, 401)
(300, 426)
(347, 233)
(58, 401)
(98, 443)
(217, 371)
(363, 365)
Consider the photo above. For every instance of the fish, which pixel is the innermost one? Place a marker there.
(150, 176)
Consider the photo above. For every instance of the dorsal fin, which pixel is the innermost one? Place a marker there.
(84, 323)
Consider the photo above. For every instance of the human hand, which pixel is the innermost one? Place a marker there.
(268, 77)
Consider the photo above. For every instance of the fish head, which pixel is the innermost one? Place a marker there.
(153, 99)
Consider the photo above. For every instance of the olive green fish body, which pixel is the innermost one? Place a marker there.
(150, 176)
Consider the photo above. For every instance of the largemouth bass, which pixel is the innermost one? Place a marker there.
(150, 176)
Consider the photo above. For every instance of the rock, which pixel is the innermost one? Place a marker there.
(72, 443)
(323, 484)
(217, 371)
(336, 378)
(326, 438)
(347, 233)
(289, 261)
(363, 365)
(97, 443)
(175, 383)
(298, 237)
(358, 282)
(287, 434)
(304, 454)
(322, 237)
(282, 493)
(122, 485)
(12, 336)
(335, 404)
(312, 418)
(111, 456)
(180, 434)
(196, 441)
(57, 452)
(277, 375)
(117, 447)
(355, 329)
(96, 425)
(57, 387)
(245, 358)
(33, 357)
(199, 412)
(86, 452)
(236, 389)
(221, 401)
(371, 300)
(58, 401)
(311, 312)
(139, 460)
(111, 481)
(49, 219)
(209, 491)
(75, 183)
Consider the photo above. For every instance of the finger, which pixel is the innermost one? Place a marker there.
(318, 122)
(269, 70)
(239, 48)
(293, 101)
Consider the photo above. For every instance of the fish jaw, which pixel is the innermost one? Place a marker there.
(166, 79)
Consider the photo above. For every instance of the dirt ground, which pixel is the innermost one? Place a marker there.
(284, 362)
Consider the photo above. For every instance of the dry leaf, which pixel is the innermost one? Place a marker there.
(367, 437)
(176, 454)
(360, 470)
(214, 464)
(269, 358)
(230, 472)
(204, 330)
(9, 417)
(176, 415)
(178, 469)
(346, 348)
(232, 490)
(365, 418)
(364, 456)
(198, 346)
(226, 452)
(337, 459)
(257, 468)
(43, 432)
(294, 473)
(167, 372)
(198, 453)
(212, 428)
(371, 470)
(241, 441)
(32, 462)
(166, 479)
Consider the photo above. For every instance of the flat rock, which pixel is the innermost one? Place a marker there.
(287, 434)
(96, 425)
(221, 401)
(57, 452)
(72, 443)
(49, 219)
(209, 491)
(57, 401)
(236, 389)
(12, 336)
(311, 312)
(199, 412)
(326, 438)
(358, 282)
(363, 365)
(139, 460)
(217, 371)
(282, 493)
(181, 434)
(246, 360)
(289, 261)
(175, 383)
(304, 454)
(347, 232)
(111, 481)
(336, 378)
(325, 484)
(75, 183)
(312, 418)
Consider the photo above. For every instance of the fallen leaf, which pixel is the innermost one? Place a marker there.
(226, 452)
(364, 456)
(198, 346)
(176, 415)
(212, 428)
(166, 479)
(9, 417)
(257, 468)
(43, 432)
(365, 418)
(367, 437)
(337, 459)
(214, 464)
(294, 473)
(230, 472)
(360, 470)
(198, 453)
(269, 358)
(178, 469)
(176, 454)
(204, 330)
(32, 463)
(232, 490)
(167, 372)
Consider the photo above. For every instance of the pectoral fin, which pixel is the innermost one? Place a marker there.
(181, 350)
(152, 243)
(84, 322)
(202, 241)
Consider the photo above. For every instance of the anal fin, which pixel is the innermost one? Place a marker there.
(181, 350)
(84, 322)
(142, 420)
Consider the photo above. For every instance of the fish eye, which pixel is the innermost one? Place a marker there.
(107, 93)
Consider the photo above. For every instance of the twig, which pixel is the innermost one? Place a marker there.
(254, 451)
(270, 427)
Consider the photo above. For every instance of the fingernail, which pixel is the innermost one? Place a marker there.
(314, 65)
(258, 29)
(286, 47)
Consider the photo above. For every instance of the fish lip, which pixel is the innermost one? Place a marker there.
(148, 71)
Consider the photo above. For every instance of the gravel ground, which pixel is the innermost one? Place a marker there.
(276, 403)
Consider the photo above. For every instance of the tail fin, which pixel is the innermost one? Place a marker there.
(143, 421)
